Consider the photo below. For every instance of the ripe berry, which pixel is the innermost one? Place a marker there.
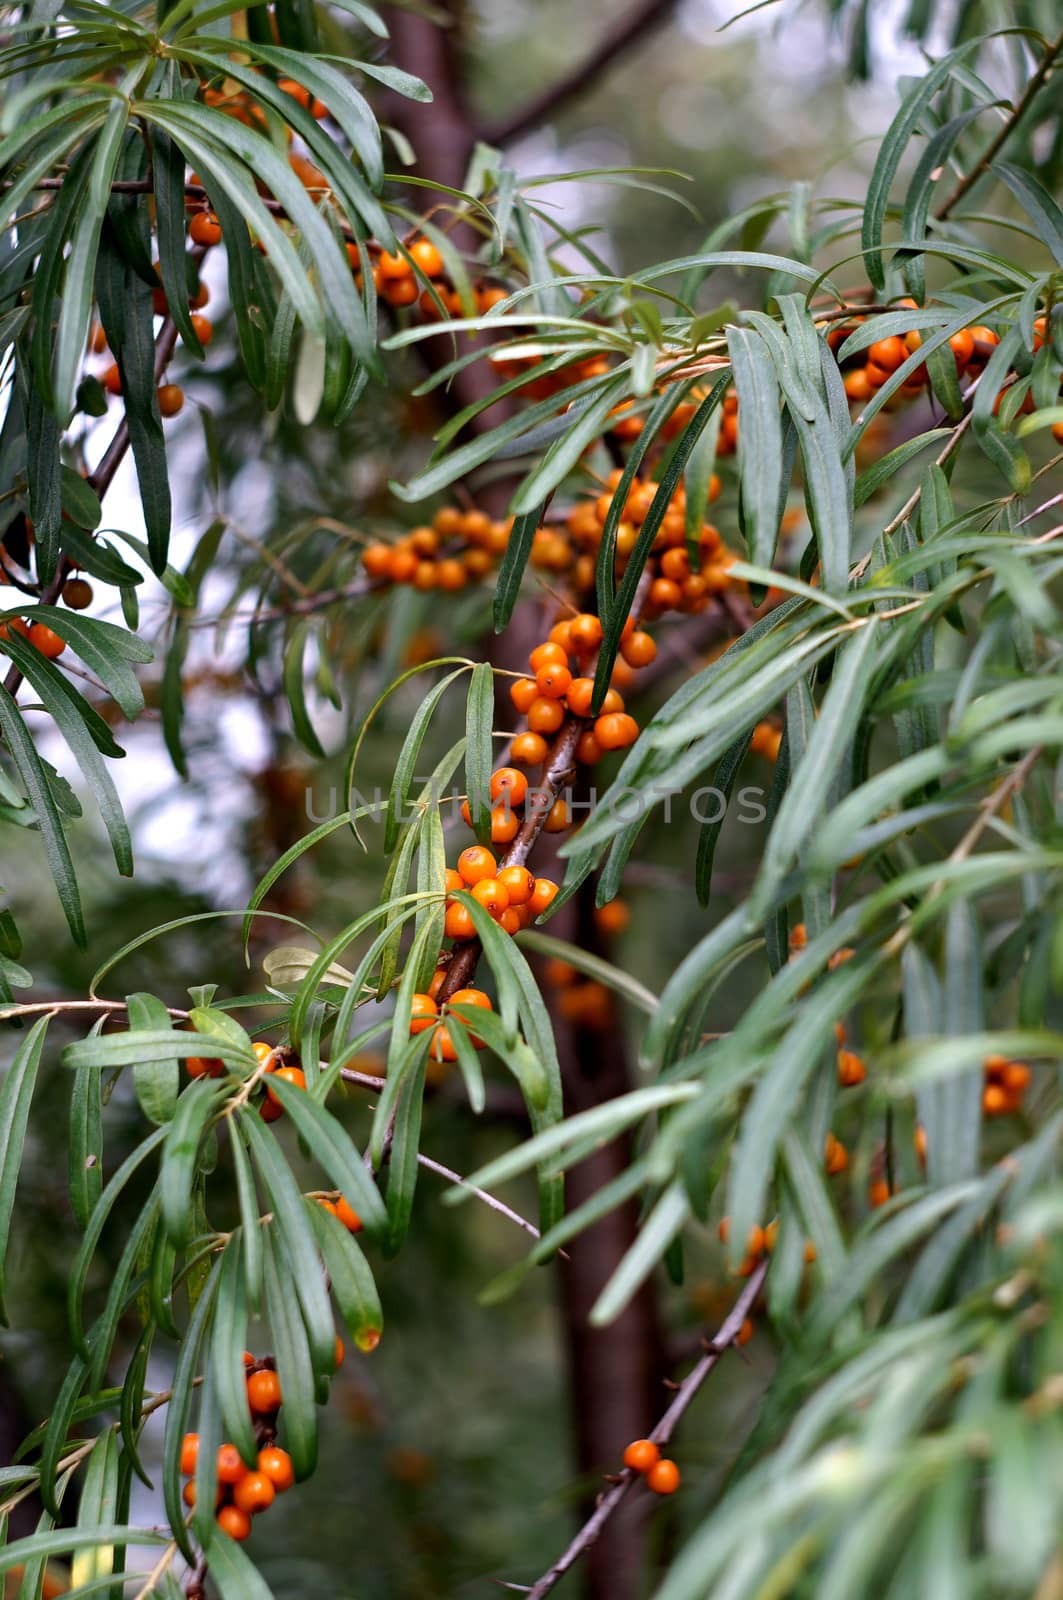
(553, 681)
(77, 594)
(505, 825)
(203, 329)
(889, 354)
(524, 693)
(547, 655)
(639, 649)
(230, 1466)
(542, 896)
(348, 1216)
(663, 1477)
(471, 997)
(234, 1522)
(519, 883)
(111, 379)
(453, 882)
(529, 749)
(276, 1465)
(545, 715)
(171, 398)
(585, 632)
(745, 1333)
(613, 917)
(492, 895)
(513, 920)
(458, 923)
(376, 559)
(559, 817)
(264, 1392)
(189, 1453)
(579, 696)
(253, 1493)
(476, 863)
(339, 1355)
(641, 1455)
(509, 783)
(561, 633)
(423, 1012)
(427, 257)
(442, 1047)
(204, 1067)
(293, 1075)
(262, 1050)
(588, 750)
(45, 640)
(616, 730)
(205, 229)
(851, 1069)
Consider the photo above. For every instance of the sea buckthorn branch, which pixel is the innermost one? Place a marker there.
(1007, 128)
(714, 1348)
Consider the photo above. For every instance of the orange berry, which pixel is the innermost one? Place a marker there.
(442, 1047)
(438, 980)
(548, 655)
(508, 782)
(505, 825)
(613, 917)
(392, 267)
(471, 997)
(878, 1193)
(77, 594)
(423, 1012)
(264, 1392)
(348, 1216)
(889, 354)
(919, 1140)
(111, 379)
(339, 1355)
(458, 923)
(425, 541)
(995, 1101)
(171, 398)
(253, 1493)
(262, 1051)
(559, 817)
(1017, 1078)
(234, 1522)
(519, 884)
(857, 385)
(189, 1453)
(542, 896)
(561, 633)
(46, 640)
(851, 1069)
(454, 881)
(745, 1333)
(524, 693)
(230, 1466)
(585, 631)
(447, 521)
(203, 329)
(663, 1477)
(427, 257)
(376, 559)
(616, 730)
(511, 921)
(276, 1465)
(205, 229)
(580, 694)
(529, 749)
(451, 575)
(328, 1205)
(665, 594)
(204, 1067)
(476, 863)
(553, 681)
(639, 650)
(492, 895)
(641, 1455)
(293, 1075)
(545, 715)
(188, 1494)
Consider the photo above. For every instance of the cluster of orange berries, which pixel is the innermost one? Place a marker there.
(1006, 1083)
(279, 1062)
(660, 1474)
(512, 896)
(759, 1243)
(457, 547)
(425, 1014)
(415, 276)
(555, 689)
(674, 583)
(244, 1492)
(38, 634)
(971, 348)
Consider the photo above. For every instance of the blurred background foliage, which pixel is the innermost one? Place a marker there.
(441, 1459)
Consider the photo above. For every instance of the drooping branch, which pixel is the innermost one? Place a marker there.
(640, 20)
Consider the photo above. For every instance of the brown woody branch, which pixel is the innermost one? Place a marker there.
(661, 1434)
(640, 20)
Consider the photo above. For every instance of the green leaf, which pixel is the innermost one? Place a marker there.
(295, 689)
(43, 482)
(661, 1226)
(196, 1109)
(759, 440)
(296, 1238)
(724, 779)
(512, 566)
(251, 1227)
(295, 1366)
(157, 1081)
(63, 1541)
(1044, 211)
(403, 1165)
(233, 1571)
(406, 764)
(227, 1344)
(178, 1412)
(592, 966)
(16, 1093)
(31, 770)
(352, 1281)
(85, 1143)
(479, 721)
(330, 1144)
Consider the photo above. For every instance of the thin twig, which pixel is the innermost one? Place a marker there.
(481, 1194)
(55, 1006)
(1010, 123)
(639, 21)
(662, 1433)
